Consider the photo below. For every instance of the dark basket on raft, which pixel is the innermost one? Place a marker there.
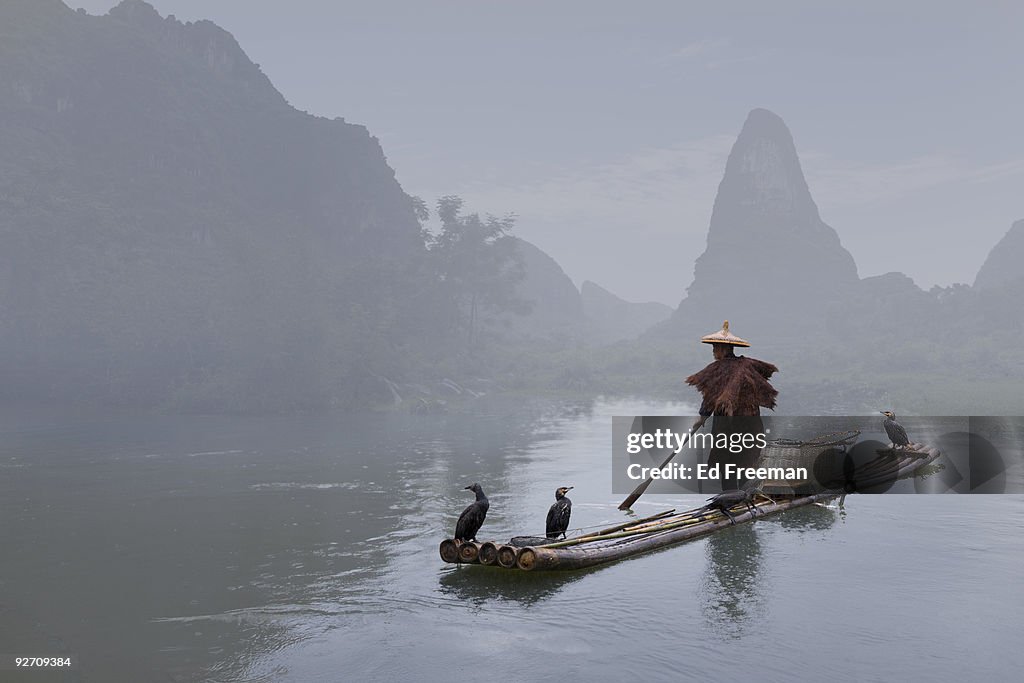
(822, 456)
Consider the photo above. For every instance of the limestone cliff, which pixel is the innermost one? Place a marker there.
(770, 260)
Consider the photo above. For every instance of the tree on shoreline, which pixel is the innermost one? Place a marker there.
(476, 266)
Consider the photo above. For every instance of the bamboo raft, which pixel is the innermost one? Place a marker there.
(666, 528)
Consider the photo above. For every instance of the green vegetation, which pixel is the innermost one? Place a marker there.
(475, 268)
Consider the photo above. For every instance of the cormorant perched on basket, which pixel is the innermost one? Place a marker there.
(897, 434)
(726, 499)
(558, 515)
(472, 518)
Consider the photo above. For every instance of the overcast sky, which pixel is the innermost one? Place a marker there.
(605, 125)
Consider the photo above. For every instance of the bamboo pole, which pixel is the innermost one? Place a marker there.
(907, 467)
(488, 553)
(603, 533)
(683, 520)
(449, 550)
(534, 559)
(619, 527)
(878, 470)
(892, 465)
(507, 556)
(469, 552)
(663, 521)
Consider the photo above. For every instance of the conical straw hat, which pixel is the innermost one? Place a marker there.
(724, 336)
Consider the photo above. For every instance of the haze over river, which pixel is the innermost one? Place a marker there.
(305, 549)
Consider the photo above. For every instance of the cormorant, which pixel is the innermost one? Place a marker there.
(472, 518)
(558, 515)
(726, 499)
(897, 434)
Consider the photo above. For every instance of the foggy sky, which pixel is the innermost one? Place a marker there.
(605, 126)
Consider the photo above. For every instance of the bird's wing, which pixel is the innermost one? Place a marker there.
(552, 517)
(896, 432)
(460, 526)
(566, 512)
(902, 432)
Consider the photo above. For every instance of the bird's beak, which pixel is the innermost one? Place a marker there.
(468, 488)
(569, 488)
(882, 412)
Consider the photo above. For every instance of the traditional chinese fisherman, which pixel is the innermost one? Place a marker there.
(734, 389)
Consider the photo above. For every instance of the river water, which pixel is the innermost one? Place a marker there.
(305, 549)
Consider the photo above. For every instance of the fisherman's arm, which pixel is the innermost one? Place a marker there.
(705, 412)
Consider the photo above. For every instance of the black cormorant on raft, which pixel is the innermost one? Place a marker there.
(472, 518)
(894, 430)
(728, 499)
(558, 515)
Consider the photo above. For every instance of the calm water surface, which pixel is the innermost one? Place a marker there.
(305, 549)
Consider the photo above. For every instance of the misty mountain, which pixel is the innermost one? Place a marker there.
(783, 279)
(770, 260)
(613, 319)
(174, 233)
(557, 311)
(172, 226)
(554, 308)
(1003, 265)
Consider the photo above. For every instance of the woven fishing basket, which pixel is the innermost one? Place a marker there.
(822, 456)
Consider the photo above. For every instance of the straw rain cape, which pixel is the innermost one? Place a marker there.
(736, 385)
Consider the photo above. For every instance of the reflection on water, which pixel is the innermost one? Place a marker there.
(807, 518)
(305, 549)
(732, 588)
(485, 585)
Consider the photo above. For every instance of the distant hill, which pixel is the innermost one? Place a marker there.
(783, 279)
(555, 310)
(1004, 263)
(174, 234)
(613, 319)
(171, 227)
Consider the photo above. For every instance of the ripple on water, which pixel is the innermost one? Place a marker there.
(290, 485)
(337, 558)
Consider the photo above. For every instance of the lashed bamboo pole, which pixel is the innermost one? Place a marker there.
(634, 522)
(886, 461)
(507, 556)
(469, 552)
(632, 530)
(449, 550)
(906, 465)
(554, 543)
(534, 559)
(488, 553)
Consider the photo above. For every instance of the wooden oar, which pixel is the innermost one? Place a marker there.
(639, 490)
